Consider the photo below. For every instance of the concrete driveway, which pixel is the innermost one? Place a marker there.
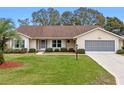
(113, 63)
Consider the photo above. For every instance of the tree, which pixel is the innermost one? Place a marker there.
(67, 18)
(24, 21)
(81, 16)
(40, 17)
(46, 17)
(7, 31)
(53, 16)
(113, 23)
(100, 20)
(86, 16)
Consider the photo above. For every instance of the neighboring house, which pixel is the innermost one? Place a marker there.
(89, 37)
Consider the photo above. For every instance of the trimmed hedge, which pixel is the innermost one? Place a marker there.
(63, 49)
(16, 51)
(49, 50)
(121, 51)
(81, 51)
(56, 50)
(23, 50)
(71, 50)
(8, 51)
(32, 50)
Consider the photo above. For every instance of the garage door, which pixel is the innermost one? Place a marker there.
(99, 45)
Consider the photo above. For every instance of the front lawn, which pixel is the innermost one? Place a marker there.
(39, 69)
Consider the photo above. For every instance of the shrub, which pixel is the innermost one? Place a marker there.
(8, 51)
(49, 50)
(24, 50)
(63, 49)
(16, 50)
(56, 50)
(121, 51)
(81, 51)
(122, 47)
(32, 50)
(71, 50)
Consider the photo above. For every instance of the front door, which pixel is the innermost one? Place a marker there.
(42, 44)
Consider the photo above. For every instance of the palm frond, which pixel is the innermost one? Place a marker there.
(7, 29)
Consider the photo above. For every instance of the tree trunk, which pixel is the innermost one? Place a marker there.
(2, 50)
(1, 58)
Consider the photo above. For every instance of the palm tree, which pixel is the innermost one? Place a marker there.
(7, 32)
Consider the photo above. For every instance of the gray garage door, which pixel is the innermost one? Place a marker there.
(99, 45)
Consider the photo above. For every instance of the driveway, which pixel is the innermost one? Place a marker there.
(113, 63)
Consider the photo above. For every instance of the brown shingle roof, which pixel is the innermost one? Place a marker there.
(54, 31)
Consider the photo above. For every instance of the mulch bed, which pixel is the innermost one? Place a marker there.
(10, 64)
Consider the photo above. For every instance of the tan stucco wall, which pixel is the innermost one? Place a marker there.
(32, 43)
(98, 35)
(70, 44)
(120, 43)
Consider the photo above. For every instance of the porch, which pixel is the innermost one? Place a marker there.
(41, 45)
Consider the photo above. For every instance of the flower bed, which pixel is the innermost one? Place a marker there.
(10, 64)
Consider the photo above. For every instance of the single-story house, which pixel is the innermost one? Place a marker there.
(89, 37)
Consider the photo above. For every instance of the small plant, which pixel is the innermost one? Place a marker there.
(122, 47)
(56, 50)
(8, 51)
(63, 49)
(49, 50)
(32, 50)
(81, 51)
(121, 51)
(71, 50)
(24, 50)
(16, 51)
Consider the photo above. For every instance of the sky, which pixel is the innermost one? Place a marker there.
(16, 13)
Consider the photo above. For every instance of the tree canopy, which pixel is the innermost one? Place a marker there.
(51, 16)
(81, 16)
(46, 17)
(86, 16)
(24, 21)
(67, 18)
(114, 24)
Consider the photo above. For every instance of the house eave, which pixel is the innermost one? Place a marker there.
(24, 35)
(52, 38)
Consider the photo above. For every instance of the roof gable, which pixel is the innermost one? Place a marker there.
(101, 29)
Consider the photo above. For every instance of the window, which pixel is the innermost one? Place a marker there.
(56, 43)
(59, 43)
(19, 43)
(68, 41)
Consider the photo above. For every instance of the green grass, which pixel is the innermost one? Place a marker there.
(54, 70)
